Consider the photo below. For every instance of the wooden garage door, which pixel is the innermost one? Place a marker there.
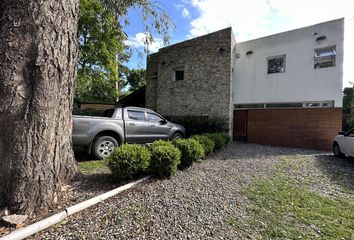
(240, 124)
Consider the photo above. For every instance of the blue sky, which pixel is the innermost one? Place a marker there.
(249, 19)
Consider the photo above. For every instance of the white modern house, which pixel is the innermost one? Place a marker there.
(283, 89)
(302, 65)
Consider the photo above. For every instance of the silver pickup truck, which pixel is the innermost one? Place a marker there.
(100, 135)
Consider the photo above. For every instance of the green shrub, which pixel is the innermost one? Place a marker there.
(226, 138)
(191, 151)
(164, 159)
(220, 139)
(128, 161)
(87, 112)
(200, 124)
(207, 144)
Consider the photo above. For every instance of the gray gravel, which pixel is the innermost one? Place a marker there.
(200, 202)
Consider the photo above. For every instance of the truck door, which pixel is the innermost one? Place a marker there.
(136, 128)
(158, 129)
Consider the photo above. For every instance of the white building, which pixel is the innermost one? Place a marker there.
(303, 65)
(284, 89)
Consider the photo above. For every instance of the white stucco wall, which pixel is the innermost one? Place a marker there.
(300, 82)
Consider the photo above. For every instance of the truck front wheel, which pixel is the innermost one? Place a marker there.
(103, 146)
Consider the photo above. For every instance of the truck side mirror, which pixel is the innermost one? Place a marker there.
(341, 133)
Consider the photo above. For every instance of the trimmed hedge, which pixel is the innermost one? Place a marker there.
(164, 159)
(191, 151)
(207, 144)
(200, 124)
(129, 161)
(220, 139)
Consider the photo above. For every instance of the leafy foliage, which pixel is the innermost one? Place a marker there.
(87, 112)
(128, 161)
(164, 159)
(191, 151)
(348, 109)
(136, 78)
(200, 124)
(102, 39)
(207, 144)
(220, 139)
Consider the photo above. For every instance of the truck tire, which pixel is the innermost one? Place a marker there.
(103, 147)
(336, 150)
(177, 135)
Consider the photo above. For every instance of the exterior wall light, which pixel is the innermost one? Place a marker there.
(321, 38)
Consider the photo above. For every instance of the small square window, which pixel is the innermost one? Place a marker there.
(276, 64)
(179, 74)
(325, 57)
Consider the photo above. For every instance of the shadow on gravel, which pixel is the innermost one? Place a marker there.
(81, 155)
(339, 170)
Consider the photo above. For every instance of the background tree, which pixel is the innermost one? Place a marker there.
(101, 39)
(38, 62)
(136, 78)
(348, 108)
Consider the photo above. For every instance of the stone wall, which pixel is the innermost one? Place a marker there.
(206, 88)
(151, 81)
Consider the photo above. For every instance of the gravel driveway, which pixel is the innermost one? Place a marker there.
(200, 202)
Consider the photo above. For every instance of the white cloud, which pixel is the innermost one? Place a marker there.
(185, 13)
(256, 18)
(141, 39)
(244, 16)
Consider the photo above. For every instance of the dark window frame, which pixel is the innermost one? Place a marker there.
(325, 57)
(178, 74)
(276, 69)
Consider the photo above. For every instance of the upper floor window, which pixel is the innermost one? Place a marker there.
(179, 74)
(276, 64)
(325, 57)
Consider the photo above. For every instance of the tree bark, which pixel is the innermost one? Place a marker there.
(38, 54)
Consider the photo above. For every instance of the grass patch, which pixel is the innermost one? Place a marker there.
(91, 167)
(282, 209)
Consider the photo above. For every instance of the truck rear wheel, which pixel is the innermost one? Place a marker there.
(104, 146)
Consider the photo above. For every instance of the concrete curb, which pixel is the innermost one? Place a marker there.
(56, 218)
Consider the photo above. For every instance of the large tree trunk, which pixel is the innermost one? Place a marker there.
(38, 54)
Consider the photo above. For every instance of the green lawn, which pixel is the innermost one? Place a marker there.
(282, 209)
(91, 167)
(284, 205)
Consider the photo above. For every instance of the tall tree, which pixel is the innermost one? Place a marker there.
(38, 54)
(101, 39)
(38, 58)
(136, 78)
